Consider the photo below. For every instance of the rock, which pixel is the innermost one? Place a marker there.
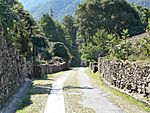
(11, 70)
(133, 77)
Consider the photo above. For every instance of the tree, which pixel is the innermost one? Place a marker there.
(115, 17)
(122, 50)
(88, 20)
(98, 47)
(18, 25)
(40, 47)
(61, 34)
(53, 30)
(6, 13)
(26, 27)
(96, 14)
(70, 31)
(61, 50)
(49, 28)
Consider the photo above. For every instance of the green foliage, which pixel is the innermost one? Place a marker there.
(6, 13)
(96, 31)
(70, 34)
(119, 23)
(61, 50)
(39, 41)
(125, 34)
(126, 50)
(52, 29)
(122, 51)
(142, 47)
(18, 25)
(93, 15)
(148, 26)
(41, 46)
(49, 28)
(99, 46)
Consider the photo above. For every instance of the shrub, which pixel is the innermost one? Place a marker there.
(61, 50)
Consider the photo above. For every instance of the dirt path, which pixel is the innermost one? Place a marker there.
(93, 97)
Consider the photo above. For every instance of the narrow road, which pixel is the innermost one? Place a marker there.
(95, 98)
(91, 97)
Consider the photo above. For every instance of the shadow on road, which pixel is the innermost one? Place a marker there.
(35, 90)
(75, 87)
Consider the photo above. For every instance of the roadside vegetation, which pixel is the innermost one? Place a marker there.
(103, 32)
(36, 98)
(95, 31)
(124, 101)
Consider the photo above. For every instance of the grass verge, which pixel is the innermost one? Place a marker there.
(124, 101)
(36, 99)
(73, 96)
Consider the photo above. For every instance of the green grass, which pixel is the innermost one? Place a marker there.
(36, 99)
(126, 102)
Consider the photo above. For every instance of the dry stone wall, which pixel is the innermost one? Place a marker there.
(14, 69)
(41, 70)
(132, 77)
(11, 70)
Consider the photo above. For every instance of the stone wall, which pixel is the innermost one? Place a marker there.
(11, 70)
(14, 69)
(41, 70)
(132, 77)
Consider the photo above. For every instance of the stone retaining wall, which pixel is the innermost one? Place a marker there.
(11, 70)
(14, 69)
(132, 77)
(41, 70)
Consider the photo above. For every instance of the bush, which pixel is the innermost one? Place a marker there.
(132, 51)
(56, 60)
(61, 50)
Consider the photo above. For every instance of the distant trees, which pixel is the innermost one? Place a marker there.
(49, 28)
(70, 31)
(100, 28)
(105, 24)
(99, 46)
(56, 36)
(40, 41)
(61, 50)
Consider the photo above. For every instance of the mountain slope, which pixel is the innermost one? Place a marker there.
(60, 8)
(144, 3)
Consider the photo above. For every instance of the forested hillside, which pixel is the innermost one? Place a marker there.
(103, 27)
(45, 40)
(96, 31)
(59, 8)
